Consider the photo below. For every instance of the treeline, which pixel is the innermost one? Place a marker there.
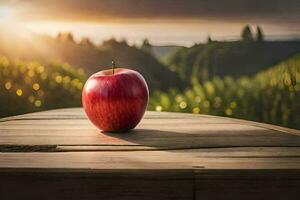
(89, 56)
(139, 58)
(246, 56)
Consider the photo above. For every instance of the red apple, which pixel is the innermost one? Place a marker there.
(115, 100)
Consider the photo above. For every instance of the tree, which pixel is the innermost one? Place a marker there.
(110, 43)
(67, 36)
(247, 34)
(146, 46)
(259, 34)
(209, 40)
(70, 38)
(86, 42)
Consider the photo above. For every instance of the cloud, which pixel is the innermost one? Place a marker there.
(274, 11)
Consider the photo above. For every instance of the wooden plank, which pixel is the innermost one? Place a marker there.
(77, 113)
(147, 175)
(243, 152)
(149, 184)
(210, 152)
(156, 131)
(93, 184)
(247, 184)
(144, 160)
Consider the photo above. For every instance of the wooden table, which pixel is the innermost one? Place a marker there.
(58, 154)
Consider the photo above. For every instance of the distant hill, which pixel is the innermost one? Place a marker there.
(237, 58)
(92, 58)
(161, 51)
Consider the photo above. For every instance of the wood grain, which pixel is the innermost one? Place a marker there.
(59, 154)
(156, 131)
(91, 184)
(247, 184)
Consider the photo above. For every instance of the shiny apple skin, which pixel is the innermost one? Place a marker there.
(115, 102)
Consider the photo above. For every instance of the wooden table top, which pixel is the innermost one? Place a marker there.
(185, 146)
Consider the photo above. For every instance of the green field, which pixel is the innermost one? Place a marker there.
(271, 96)
(31, 86)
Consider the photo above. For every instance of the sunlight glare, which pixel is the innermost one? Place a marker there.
(6, 13)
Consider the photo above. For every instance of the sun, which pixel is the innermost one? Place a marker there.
(6, 13)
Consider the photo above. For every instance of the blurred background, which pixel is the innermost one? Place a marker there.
(233, 58)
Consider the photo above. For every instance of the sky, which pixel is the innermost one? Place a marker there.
(162, 21)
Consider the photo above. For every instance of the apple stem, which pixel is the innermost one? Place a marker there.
(113, 66)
